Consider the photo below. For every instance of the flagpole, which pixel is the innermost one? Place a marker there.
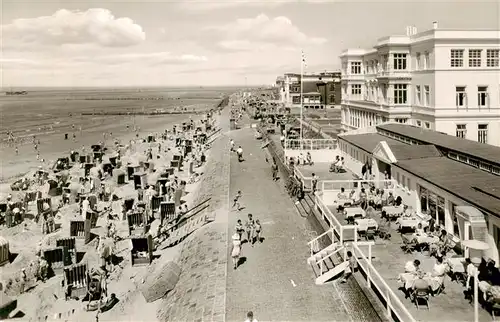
(301, 93)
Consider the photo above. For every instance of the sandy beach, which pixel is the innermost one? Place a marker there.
(46, 301)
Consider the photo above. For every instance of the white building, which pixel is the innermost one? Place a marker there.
(440, 79)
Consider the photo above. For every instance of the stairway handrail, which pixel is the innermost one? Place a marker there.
(323, 234)
(334, 252)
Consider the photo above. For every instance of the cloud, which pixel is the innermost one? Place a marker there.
(261, 32)
(94, 26)
(205, 5)
(151, 59)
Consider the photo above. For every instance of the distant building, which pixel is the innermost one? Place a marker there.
(440, 79)
(320, 90)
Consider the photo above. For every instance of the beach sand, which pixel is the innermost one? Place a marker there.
(47, 299)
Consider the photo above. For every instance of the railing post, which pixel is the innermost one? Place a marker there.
(341, 235)
(355, 234)
(368, 275)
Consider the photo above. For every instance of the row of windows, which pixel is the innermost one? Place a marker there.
(425, 124)
(400, 93)
(474, 58)
(475, 163)
(483, 98)
(357, 118)
(482, 132)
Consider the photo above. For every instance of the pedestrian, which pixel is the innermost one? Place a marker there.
(236, 200)
(239, 151)
(314, 182)
(239, 228)
(236, 251)
(250, 317)
(274, 169)
(258, 231)
(232, 145)
(350, 268)
(250, 228)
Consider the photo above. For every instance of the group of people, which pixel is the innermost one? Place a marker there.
(253, 230)
(239, 150)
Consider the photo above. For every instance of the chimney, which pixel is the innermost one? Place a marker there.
(408, 30)
(414, 30)
(435, 25)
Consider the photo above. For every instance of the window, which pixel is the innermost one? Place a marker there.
(461, 131)
(427, 125)
(418, 95)
(356, 67)
(475, 57)
(403, 181)
(426, 60)
(482, 133)
(427, 95)
(457, 58)
(356, 89)
(482, 96)
(400, 94)
(408, 182)
(492, 57)
(417, 62)
(399, 61)
(419, 123)
(460, 96)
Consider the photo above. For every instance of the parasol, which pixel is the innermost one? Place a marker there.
(475, 244)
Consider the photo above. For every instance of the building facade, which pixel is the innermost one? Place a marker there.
(320, 90)
(440, 79)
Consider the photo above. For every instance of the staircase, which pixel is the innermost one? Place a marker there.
(326, 264)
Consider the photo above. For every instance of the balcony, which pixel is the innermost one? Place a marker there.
(391, 73)
(353, 77)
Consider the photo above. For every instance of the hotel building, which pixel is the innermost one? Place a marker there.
(320, 90)
(441, 79)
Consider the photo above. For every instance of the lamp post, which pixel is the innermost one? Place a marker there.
(301, 95)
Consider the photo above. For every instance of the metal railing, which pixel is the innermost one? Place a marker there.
(334, 223)
(306, 181)
(310, 144)
(313, 244)
(393, 304)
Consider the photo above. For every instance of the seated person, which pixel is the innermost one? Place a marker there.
(334, 163)
(342, 195)
(399, 201)
(339, 165)
(352, 195)
(441, 247)
(419, 231)
(437, 275)
(390, 199)
(412, 267)
(309, 158)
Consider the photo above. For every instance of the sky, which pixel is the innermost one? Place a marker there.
(203, 42)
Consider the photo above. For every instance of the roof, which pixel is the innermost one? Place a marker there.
(477, 150)
(309, 86)
(410, 152)
(480, 188)
(369, 141)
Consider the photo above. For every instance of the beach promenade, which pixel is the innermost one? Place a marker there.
(274, 280)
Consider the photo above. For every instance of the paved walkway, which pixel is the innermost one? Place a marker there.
(275, 281)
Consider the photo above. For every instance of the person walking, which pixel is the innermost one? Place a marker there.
(250, 228)
(236, 251)
(258, 231)
(239, 228)
(232, 145)
(274, 169)
(236, 201)
(239, 151)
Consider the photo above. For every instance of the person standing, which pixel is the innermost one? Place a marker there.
(236, 251)
(239, 228)
(232, 145)
(314, 182)
(250, 228)
(274, 169)
(258, 231)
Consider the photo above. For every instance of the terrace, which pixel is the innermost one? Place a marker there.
(382, 258)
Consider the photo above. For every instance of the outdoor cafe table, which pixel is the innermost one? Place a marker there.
(410, 222)
(354, 212)
(365, 223)
(393, 211)
(426, 239)
(343, 202)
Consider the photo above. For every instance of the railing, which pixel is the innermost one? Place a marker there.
(303, 179)
(393, 304)
(314, 243)
(335, 185)
(310, 144)
(334, 223)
